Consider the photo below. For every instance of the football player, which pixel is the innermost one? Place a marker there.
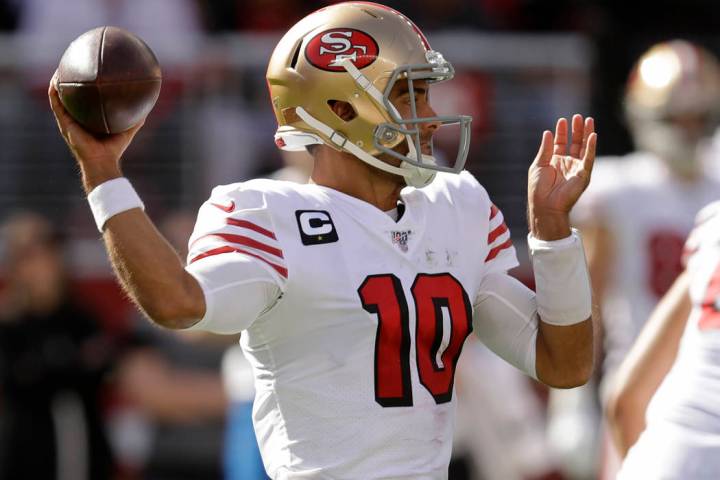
(671, 377)
(355, 293)
(643, 205)
(640, 208)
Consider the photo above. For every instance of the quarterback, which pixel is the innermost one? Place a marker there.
(355, 293)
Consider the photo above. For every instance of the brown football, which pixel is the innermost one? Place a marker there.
(108, 79)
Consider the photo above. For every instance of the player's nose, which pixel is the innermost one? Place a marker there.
(429, 127)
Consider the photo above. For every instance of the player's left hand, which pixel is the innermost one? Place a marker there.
(559, 175)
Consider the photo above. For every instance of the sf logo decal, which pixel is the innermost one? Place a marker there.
(328, 49)
(316, 227)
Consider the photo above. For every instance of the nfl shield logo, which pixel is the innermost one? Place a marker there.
(401, 239)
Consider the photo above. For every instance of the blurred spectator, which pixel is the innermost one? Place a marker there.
(269, 14)
(234, 136)
(53, 357)
(170, 27)
(175, 400)
(174, 406)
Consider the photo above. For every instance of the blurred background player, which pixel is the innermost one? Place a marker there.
(53, 361)
(638, 211)
(671, 377)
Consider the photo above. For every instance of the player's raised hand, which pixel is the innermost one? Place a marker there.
(558, 176)
(98, 156)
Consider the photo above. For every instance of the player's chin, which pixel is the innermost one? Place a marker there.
(395, 162)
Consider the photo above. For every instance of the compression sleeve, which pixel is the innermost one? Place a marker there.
(505, 319)
(238, 289)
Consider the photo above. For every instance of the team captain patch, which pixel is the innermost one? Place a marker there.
(316, 227)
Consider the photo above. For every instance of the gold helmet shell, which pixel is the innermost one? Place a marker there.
(672, 103)
(673, 78)
(355, 52)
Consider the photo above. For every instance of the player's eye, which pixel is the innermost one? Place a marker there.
(405, 98)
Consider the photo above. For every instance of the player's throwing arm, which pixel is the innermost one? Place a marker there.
(556, 179)
(147, 266)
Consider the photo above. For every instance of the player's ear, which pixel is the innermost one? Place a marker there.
(342, 109)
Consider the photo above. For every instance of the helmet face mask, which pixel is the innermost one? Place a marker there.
(357, 52)
(436, 70)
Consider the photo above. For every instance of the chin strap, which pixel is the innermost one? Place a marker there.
(365, 83)
(414, 176)
(420, 176)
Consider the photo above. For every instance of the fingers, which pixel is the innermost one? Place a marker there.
(130, 134)
(63, 118)
(69, 128)
(561, 137)
(589, 128)
(589, 157)
(578, 137)
(545, 152)
(56, 106)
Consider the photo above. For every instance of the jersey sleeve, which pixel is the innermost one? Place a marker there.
(236, 258)
(501, 255)
(488, 232)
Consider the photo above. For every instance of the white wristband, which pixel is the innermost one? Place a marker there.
(562, 281)
(112, 197)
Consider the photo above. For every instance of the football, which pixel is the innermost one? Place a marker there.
(108, 80)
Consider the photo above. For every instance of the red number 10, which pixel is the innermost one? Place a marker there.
(383, 295)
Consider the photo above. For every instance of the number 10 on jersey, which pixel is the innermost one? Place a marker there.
(383, 296)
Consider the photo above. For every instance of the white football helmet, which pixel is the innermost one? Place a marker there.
(356, 52)
(672, 102)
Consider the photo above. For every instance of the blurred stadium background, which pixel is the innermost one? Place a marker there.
(521, 64)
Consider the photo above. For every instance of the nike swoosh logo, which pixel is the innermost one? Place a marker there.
(225, 208)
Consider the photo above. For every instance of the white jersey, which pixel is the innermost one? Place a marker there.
(649, 214)
(684, 414)
(354, 354)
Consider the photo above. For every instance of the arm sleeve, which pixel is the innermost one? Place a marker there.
(505, 319)
(237, 291)
(237, 260)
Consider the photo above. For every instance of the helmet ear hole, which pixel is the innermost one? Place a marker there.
(294, 60)
(342, 109)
